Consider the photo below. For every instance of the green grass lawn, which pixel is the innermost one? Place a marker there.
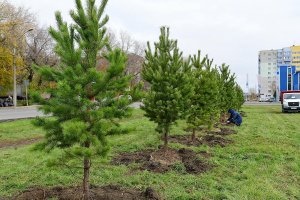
(262, 163)
(18, 130)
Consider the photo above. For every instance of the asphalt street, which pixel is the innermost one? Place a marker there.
(256, 103)
(11, 113)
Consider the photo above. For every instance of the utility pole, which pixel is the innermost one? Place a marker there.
(15, 78)
(15, 69)
(26, 83)
(247, 87)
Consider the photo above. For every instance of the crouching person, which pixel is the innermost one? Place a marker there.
(234, 118)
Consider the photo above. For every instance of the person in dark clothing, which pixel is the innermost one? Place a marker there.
(235, 117)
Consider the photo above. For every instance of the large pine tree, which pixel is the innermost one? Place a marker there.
(165, 70)
(83, 102)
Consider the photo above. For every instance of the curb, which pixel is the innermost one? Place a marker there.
(19, 107)
(11, 120)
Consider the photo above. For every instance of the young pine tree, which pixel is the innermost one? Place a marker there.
(137, 92)
(165, 70)
(227, 90)
(239, 97)
(204, 102)
(83, 103)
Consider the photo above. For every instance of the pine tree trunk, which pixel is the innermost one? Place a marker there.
(194, 134)
(86, 176)
(210, 123)
(166, 133)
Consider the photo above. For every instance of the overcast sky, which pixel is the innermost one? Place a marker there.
(230, 31)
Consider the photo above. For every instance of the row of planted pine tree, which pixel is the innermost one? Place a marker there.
(192, 89)
(83, 102)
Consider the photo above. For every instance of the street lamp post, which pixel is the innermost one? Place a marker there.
(15, 70)
(15, 78)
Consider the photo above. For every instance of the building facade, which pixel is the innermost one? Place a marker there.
(267, 70)
(278, 70)
(288, 73)
(295, 50)
(289, 76)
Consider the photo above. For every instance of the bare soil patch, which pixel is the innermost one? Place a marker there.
(214, 140)
(210, 139)
(185, 139)
(161, 160)
(224, 132)
(18, 143)
(109, 192)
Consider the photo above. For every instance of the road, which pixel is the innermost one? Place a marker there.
(7, 114)
(11, 113)
(256, 103)
(136, 105)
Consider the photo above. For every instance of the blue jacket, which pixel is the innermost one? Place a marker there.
(235, 117)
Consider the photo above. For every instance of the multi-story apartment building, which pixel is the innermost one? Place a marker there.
(278, 70)
(267, 70)
(288, 70)
(284, 59)
(295, 50)
(284, 56)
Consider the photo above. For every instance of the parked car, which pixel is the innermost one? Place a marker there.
(264, 99)
(6, 102)
(271, 99)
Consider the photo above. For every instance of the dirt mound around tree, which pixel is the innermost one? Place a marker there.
(214, 140)
(211, 139)
(224, 132)
(109, 192)
(185, 139)
(161, 160)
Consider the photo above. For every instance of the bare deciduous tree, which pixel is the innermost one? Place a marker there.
(113, 40)
(14, 22)
(34, 47)
(126, 43)
(139, 48)
(39, 51)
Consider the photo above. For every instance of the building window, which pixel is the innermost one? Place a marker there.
(289, 84)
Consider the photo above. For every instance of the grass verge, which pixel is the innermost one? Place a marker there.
(262, 163)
